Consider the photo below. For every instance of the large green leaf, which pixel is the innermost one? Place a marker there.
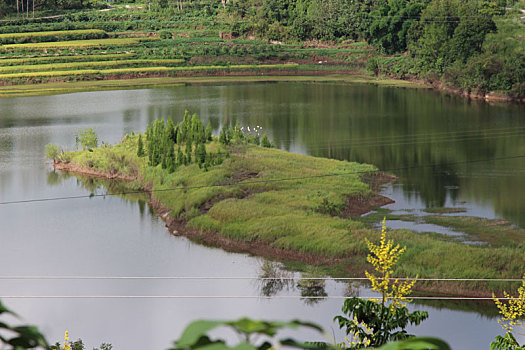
(195, 335)
(270, 328)
(28, 337)
(195, 331)
(4, 309)
(417, 343)
(244, 346)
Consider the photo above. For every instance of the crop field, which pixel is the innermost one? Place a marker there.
(19, 38)
(83, 65)
(142, 70)
(62, 59)
(78, 43)
(128, 43)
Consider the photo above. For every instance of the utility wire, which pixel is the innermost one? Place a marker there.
(251, 278)
(227, 297)
(425, 137)
(339, 145)
(254, 182)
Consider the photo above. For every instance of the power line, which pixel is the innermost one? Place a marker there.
(252, 278)
(426, 135)
(263, 181)
(423, 137)
(228, 297)
(413, 142)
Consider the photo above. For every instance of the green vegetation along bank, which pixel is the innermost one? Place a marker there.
(231, 193)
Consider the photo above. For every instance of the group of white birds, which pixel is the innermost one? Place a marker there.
(255, 129)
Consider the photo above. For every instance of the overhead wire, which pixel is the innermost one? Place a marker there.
(72, 277)
(434, 136)
(231, 297)
(413, 142)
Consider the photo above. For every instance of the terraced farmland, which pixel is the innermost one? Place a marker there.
(111, 48)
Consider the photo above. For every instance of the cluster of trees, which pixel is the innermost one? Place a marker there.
(163, 137)
(173, 145)
(27, 8)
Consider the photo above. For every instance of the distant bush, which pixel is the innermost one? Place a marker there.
(165, 34)
(53, 151)
(87, 139)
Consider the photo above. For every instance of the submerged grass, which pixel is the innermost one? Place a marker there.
(495, 232)
(248, 199)
(444, 210)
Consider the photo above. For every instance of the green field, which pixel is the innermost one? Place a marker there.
(88, 64)
(77, 44)
(11, 38)
(62, 59)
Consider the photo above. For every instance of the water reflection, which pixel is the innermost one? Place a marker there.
(273, 279)
(119, 236)
(312, 290)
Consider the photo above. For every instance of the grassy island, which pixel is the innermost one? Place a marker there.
(231, 192)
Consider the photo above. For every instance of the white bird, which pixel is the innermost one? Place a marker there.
(248, 129)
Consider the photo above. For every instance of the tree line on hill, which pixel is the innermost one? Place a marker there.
(472, 45)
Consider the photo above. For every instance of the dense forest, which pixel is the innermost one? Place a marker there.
(471, 45)
(475, 47)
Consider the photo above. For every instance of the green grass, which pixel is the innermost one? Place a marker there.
(284, 214)
(495, 232)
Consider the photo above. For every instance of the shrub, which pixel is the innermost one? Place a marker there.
(87, 139)
(53, 151)
(265, 142)
(165, 34)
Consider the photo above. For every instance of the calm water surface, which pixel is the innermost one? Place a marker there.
(391, 128)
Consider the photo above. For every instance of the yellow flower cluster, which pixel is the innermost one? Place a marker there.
(384, 257)
(354, 339)
(513, 311)
(67, 343)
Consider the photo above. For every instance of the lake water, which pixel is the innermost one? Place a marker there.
(399, 130)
